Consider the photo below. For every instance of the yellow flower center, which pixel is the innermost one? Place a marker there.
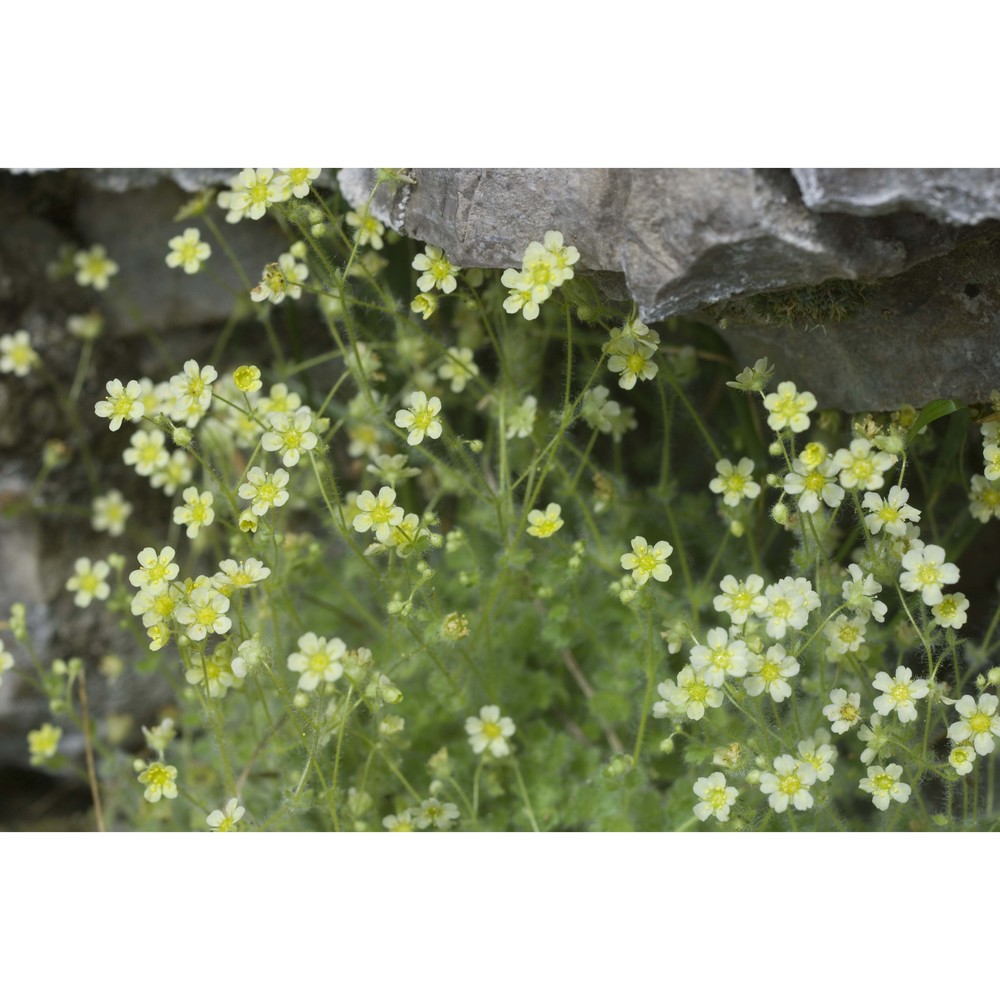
(717, 797)
(900, 693)
(815, 482)
(980, 722)
(492, 731)
(883, 783)
(790, 784)
(635, 363)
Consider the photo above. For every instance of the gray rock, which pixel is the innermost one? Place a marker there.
(957, 197)
(869, 286)
(145, 291)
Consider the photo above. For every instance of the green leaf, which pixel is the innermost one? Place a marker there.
(934, 410)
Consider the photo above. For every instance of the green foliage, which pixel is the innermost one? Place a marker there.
(508, 611)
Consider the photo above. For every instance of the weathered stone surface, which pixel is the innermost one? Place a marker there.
(896, 247)
(145, 290)
(931, 332)
(958, 197)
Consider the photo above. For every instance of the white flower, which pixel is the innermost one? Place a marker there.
(978, 723)
(88, 582)
(438, 271)
(598, 411)
(721, 657)
(789, 783)
(192, 390)
(420, 418)
(859, 593)
(235, 575)
(266, 490)
(121, 403)
(521, 419)
(926, 571)
(401, 822)
(891, 513)
(984, 499)
(633, 366)
(175, 474)
(789, 408)
(147, 451)
(647, 561)
(16, 353)
(901, 693)
(252, 193)
(861, 468)
(741, 598)
(459, 367)
(814, 485)
(224, 822)
(94, 267)
(441, 814)
(368, 230)
(318, 659)
(110, 512)
(883, 785)
(962, 758)
(786, 608)
(290, 435)
(991, 461)
(818, 753)
(716, 797)
(844, 710)
(188, 251)
(156, 570)
(198, 511)
(160, 782)
(296, 181)
(845, 635)
(490, 731)
(949, 612)
(770, 671)
(380, 513)
(734, 482)
(204, 612)
(691, 693)
(543, 523)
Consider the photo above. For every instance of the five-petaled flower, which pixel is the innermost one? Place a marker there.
(716, 797)
(645, 561)
(900, 693)
(788, 783)
(188, 251)
(318, 659)
(379, 513)
(734, 482)
(225, 822)
(122, 403)
(787, 407)
(420, 418)
(438, 271)
(489, 731)
(978, 723)
(543, 523)
(883, 785)
(16, 353)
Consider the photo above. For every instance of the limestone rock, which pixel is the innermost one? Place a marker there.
(897, 268)
(957, 197)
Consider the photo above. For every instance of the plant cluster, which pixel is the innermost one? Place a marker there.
(495, 554)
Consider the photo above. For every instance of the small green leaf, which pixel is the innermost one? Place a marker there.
(934, 410)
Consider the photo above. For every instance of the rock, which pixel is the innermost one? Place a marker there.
(957, 197)
(145, 291)
(871, 287)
